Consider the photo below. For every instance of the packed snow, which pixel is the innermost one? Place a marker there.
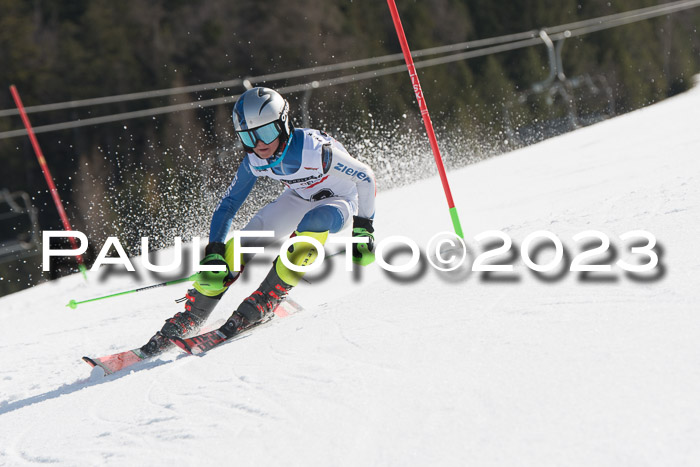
(416, 368)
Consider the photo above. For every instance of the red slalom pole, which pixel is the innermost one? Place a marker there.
(47, 173)
(426, 116)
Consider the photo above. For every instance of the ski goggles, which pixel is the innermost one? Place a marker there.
(266, 133)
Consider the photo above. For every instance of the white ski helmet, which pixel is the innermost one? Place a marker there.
(261, 114)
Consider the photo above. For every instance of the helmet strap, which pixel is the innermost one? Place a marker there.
(277, 161)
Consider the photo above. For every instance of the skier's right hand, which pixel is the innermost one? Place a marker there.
(215, 255)
(215, 280)
(215, 247)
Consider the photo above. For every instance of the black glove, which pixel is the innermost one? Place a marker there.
(217, 248)
(362, 253)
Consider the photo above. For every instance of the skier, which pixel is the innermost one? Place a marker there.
(324, 189)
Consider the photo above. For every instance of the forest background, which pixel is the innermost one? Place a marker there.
(162, 176)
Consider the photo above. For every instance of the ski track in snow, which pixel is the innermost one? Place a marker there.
(452, 368)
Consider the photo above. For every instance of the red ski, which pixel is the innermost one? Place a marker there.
(117, 361)
(199, 344)
(194, 345)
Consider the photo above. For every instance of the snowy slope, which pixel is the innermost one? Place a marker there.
(424, 368)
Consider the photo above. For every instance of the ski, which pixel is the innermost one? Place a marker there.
(118, 361)
(111, 364)
(197, 345)
(201, 343)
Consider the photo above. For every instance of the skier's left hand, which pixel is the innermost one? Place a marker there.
(363, 253)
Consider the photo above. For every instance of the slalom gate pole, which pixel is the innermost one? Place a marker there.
(426, 116)
(73, 304)
(47, 175)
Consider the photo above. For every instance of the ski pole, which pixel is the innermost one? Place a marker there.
(47, 175)
(426, 116)
(73, 304)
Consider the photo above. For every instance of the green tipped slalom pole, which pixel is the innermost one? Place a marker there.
(74, 304)
(426, 116)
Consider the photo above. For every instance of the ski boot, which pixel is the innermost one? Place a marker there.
(272, 291)
(186, 323)
(207, 290)
(275, 287)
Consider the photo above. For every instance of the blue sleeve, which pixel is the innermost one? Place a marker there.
(235, 195)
